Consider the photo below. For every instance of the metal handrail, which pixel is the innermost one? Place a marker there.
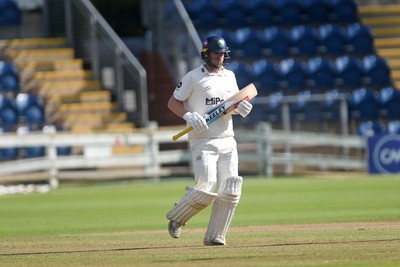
(194, 37)
(123, 56)
(175, 37)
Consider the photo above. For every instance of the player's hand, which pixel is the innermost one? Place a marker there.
(244, 108)
(196, 121)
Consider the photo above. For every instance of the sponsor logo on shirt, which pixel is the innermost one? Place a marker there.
(214, 101)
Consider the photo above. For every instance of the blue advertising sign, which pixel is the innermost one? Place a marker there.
(384, 153)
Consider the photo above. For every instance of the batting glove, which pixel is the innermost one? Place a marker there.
(244, 108)
(196, 121)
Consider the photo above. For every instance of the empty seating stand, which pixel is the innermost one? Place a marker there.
(9, 79)
(364, 104)
(389, 101)
(49, 69)
(322, 73)
(10, 15)
(10, 19)
(297, 46)
(8, 114)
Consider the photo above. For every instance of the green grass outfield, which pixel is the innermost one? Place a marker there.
(319, 221)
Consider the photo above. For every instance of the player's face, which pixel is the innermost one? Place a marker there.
(217, 58)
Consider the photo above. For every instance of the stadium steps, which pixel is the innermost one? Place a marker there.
(39, 77)
(66, 109)
(26, 43)
(65, 88)
(29, 68)
(89, 96)
(72, 98)
(384, 21)
(108, 128)
(44, 54)
(55, 100)
(93, 119)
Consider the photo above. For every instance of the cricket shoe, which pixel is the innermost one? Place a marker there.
(174, 229)
(215, 242)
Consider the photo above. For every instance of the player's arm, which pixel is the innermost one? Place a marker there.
(176, 106)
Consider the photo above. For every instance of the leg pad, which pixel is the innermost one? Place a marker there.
(223, 210)
(192, 203)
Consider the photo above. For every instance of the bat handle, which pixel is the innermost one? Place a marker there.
(182, 133)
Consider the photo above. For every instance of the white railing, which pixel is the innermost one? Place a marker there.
(96, 153)
(258, 150)
(270, 142)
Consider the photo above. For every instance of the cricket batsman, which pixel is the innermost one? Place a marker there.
(213, 147)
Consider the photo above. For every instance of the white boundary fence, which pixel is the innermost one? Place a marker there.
(269, 142)
(258, 149)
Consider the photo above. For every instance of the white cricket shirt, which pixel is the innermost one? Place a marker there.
(201, 90)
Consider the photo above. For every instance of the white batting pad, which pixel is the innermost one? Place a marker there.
(223, 209)
(192, 203)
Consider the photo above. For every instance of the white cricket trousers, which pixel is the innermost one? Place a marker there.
(214, 160)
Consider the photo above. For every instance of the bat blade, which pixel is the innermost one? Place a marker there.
(229, 105)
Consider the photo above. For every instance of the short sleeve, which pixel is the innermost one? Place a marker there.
(184, 89)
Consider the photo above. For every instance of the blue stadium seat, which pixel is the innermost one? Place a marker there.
(316, 11)
(233, 14)
(265, 75)
(9, 78)
(204, 14)
(333, 39)
(30, 110)
(393, 127)
(364, 104)
(63, 150)
(304, 109)
(242, 72)
(34, 152)
(293, 75)
(276, 42)
(8, 114)
(389, 100)
(370, 128)
(289, 12)
(10, 15)
(321, 72)
(273, 107)
(193, 6)
(262, 13)
(305, 41)
(8, 153)
(376, 71)
(344, 11)
(349, 71)
(256, 115)
(330, 106)
(360, 39)
(248, 42)
(31, 151)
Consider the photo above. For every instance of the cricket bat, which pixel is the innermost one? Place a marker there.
(229, 105)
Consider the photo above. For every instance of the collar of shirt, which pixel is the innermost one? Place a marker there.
(207, 72)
